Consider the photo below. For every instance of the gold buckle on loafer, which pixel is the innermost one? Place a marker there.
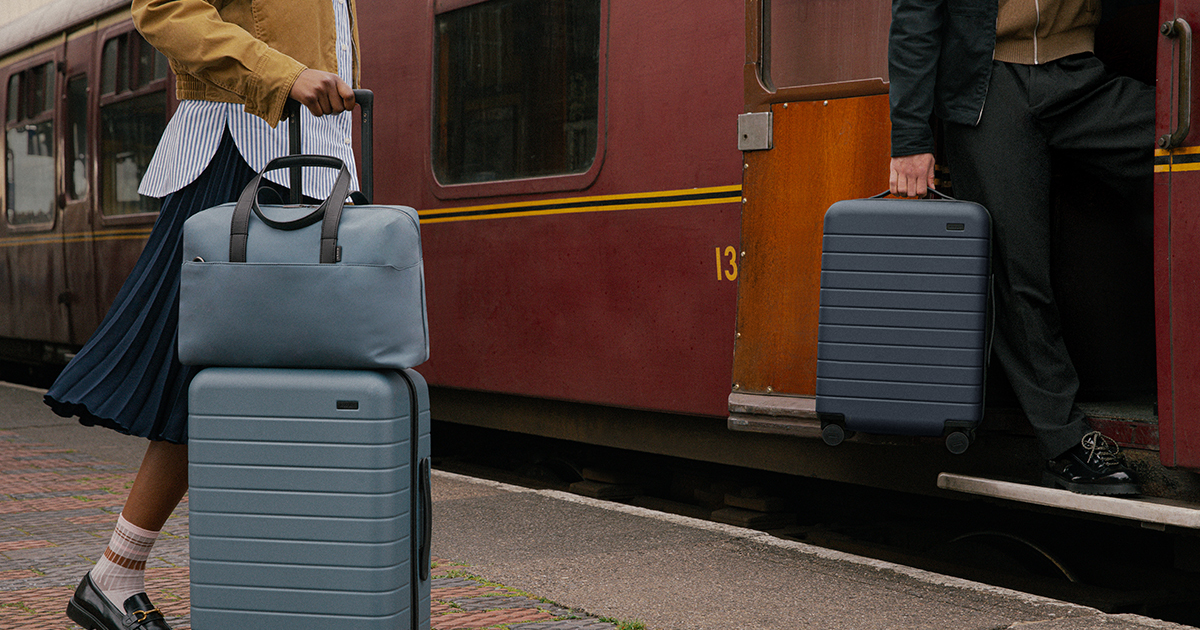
(139, 617)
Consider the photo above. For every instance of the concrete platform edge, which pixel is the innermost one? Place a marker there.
(1066, 609)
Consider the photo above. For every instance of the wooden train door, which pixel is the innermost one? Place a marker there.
(816, 131)
(1177, 237)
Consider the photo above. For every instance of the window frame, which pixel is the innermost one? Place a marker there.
(99, 100)
(54, 115)
(527, 185)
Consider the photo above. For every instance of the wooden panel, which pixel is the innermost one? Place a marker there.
(825, 151)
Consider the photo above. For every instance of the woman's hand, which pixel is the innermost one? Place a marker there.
(323, 93)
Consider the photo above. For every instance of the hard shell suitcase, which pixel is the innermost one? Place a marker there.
(309, 499)
(903, 323)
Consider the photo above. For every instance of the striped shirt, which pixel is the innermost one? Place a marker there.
(191, 138)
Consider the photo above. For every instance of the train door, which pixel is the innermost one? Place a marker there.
(816, 131)
(132, 106)
(77, 218)
(1177, 237)
(31, 236)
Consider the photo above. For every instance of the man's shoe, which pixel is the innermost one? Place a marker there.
(1092, 467)
(91, 609)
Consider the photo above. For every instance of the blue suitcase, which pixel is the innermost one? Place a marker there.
(903, 321)
(310, 499)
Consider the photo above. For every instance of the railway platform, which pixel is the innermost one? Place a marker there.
(506, 557)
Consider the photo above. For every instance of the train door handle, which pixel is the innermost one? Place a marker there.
(1180, 28)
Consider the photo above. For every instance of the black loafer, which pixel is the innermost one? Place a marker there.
(91, 609)
(1092, 467)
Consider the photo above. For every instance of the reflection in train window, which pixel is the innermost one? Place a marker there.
(516, 90)
(77, 115)
(29, 147)
(133, 115)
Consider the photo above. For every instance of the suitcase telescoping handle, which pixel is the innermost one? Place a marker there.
(366, 102)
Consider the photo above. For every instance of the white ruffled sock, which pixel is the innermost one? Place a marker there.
(121, 572)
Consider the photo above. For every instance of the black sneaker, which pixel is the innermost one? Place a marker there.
(1092, 467)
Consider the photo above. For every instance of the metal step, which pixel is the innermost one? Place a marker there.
(1153, 513)
(781, 415)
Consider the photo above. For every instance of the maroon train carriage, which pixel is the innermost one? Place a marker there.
(621, 208)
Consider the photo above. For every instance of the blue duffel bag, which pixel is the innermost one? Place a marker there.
(333, 286)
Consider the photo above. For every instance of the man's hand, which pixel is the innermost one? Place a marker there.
(912, 175)
(323, 92)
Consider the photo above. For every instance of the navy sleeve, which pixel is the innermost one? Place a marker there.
(914, 48)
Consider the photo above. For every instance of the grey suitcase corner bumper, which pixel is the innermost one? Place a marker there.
(902, 329)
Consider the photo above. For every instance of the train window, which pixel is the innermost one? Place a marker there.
(517, 90)
(77, 115)
(114, 66)
(133, 115)
(152, 65)
(14, 97)
(826, 41)
(29, 145)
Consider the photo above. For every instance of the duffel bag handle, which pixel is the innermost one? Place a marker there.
(329, 212)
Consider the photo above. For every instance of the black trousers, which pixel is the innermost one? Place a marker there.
(1069, 109)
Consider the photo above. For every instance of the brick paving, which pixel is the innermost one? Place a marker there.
(57, 511)
(463, 601)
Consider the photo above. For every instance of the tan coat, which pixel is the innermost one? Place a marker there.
(243, 51)
(1034, 32)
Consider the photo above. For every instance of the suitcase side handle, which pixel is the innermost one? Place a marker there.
(426, 518)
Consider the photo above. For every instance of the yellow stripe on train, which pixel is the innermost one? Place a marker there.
(1176, 168)
(74, 237)
(601, 203)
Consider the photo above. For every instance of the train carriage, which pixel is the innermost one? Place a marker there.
(621, 209)
(85, 102)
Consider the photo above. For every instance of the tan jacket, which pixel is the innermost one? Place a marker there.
(1034, 32)
(243, 51)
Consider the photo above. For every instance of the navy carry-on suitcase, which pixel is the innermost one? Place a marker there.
(902, 329)
(309, 499)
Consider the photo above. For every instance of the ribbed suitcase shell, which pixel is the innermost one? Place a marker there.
(308, 498)
(901, 342)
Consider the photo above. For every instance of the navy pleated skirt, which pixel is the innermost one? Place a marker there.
(128, 376)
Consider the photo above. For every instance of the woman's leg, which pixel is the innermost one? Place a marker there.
(161, 482)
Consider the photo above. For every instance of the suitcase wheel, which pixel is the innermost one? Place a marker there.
(958, 441)
(833, 434)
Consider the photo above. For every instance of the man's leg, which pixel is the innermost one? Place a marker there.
(1004, 164)
(1106, 126)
